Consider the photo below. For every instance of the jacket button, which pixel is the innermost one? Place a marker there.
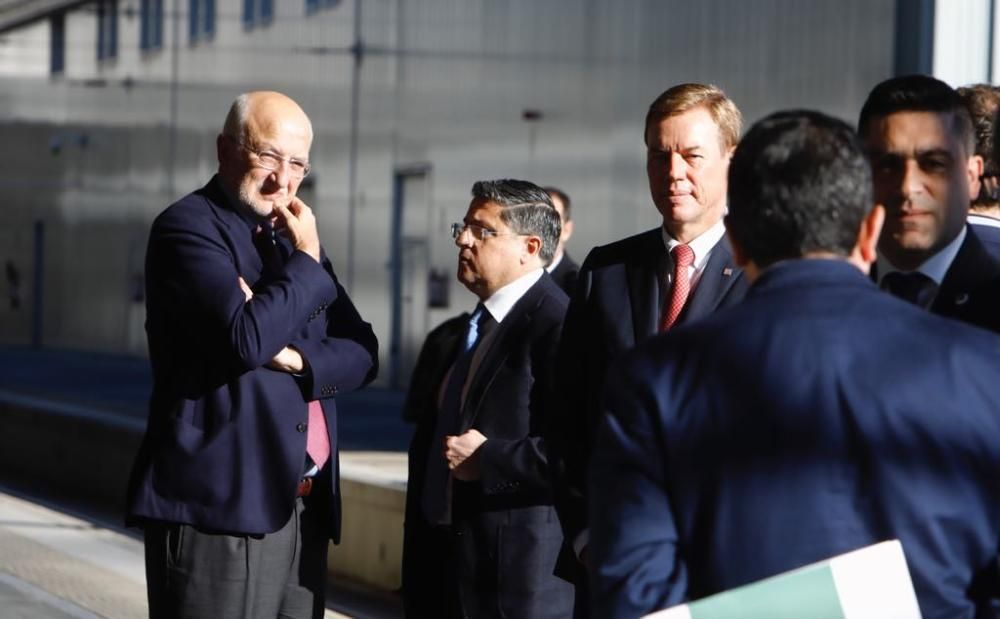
(301, 427)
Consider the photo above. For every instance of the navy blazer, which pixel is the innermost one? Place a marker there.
(816, 417)
(425, 565)
(988, 231)
(970, 290)
(225, 442)
(616, 305)
(565, 274)
(505, 532)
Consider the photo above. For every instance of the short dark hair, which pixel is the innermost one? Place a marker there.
(799, 183)
(563, 197)
(917, 93)
(983, 103)
(527, 209)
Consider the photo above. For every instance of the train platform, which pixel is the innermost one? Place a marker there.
(58, 564)
(70, 423)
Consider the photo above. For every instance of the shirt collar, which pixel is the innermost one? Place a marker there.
(555, 262)
(934, 267)
(984, 220)
(701, 245)
(502, 301)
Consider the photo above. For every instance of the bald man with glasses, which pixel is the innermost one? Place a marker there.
(251, 337)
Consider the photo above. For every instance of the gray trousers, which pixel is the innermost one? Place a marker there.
(194, 574)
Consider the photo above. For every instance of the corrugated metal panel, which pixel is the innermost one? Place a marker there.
(442, 81)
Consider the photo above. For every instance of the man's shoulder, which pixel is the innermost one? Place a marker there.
(989, 235)
(973, 261)
(452, 327)
(199, 204)
(545, 302)
(637, 247)
(551, 296)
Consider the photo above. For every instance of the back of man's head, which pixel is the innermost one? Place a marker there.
(799, 184)
(917, 93)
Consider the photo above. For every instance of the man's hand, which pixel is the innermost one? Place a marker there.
(299, 224)
(247, 292)
(288, 359)
(462, 453)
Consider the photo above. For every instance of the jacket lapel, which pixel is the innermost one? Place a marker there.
(644, 287)
(240, 226)
(500, 342)
(717, 278)
(971, 268)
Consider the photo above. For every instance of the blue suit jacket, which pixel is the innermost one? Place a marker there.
(987, 233)
(615, 306)
(970, 290)
(225, 441)
(818, 416)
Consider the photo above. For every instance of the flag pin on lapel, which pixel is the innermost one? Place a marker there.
(726, 272)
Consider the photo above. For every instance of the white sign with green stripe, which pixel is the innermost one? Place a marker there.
(869, 583)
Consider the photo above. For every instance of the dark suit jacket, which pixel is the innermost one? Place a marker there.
(970, 291)
(616, 305)
(816, 417)
(425, 558)
(225, 443)
(989, 235)
(505, 534)
(565, 274)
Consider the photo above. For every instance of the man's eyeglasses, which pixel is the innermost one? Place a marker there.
(478, 232)
(270, 160)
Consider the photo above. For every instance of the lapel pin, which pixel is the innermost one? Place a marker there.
(962, 299)
(727, 271)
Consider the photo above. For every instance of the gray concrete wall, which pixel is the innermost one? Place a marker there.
(442, 83)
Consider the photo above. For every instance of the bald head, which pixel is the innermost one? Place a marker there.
(264, 110)
(262, 150)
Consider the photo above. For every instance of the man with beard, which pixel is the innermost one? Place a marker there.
(250, 338)
(919, 139)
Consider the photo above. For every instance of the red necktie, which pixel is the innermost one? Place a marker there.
(683, 258)
(317, 438)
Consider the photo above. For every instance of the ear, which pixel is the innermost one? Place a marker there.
(532, 248)
(865, 248)
(974, 170)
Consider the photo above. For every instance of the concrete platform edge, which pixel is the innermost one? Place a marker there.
(85, 454)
